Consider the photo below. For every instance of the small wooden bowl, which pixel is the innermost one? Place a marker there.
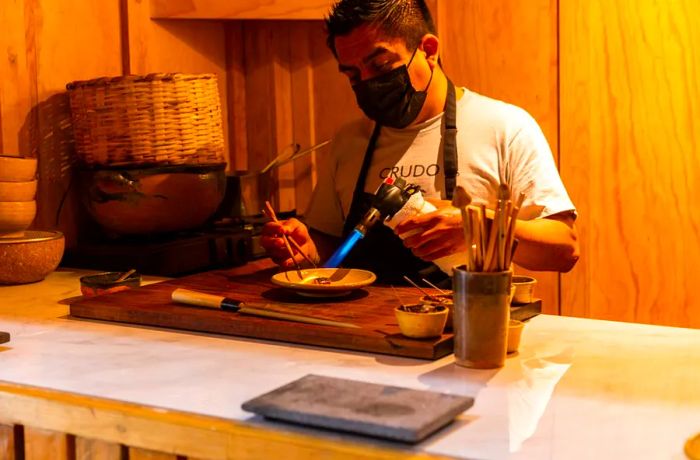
(17, 169)
(445, 300)
(524, 289)
(515, 331)
(421, 325)
(105, 283)
(18, 191)
(16, 216)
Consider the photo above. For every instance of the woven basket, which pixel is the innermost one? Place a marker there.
(155, 119)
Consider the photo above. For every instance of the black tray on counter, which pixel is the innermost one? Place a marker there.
(526, 311)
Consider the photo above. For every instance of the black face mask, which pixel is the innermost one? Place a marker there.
(390, 99)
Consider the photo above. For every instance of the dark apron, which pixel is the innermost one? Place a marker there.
(381, 250)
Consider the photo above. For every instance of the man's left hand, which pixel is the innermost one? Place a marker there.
(433, 235)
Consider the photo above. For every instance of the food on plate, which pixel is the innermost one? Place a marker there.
(315, 279)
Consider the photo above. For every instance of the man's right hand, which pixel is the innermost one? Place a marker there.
(275, 247)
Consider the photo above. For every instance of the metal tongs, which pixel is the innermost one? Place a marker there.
(270, 213)
(289, 154)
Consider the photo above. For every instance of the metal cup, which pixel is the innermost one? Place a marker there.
(481, 315)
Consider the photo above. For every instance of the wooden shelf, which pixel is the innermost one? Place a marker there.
(250, 9)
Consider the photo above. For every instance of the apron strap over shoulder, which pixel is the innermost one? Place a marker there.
(450, 141)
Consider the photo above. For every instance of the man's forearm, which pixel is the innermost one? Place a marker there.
(546, 244)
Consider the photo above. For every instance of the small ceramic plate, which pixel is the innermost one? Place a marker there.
(340, 281)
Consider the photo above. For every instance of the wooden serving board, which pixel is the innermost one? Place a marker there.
(370, 308)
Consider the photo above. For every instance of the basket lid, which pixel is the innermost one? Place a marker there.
(132, 79)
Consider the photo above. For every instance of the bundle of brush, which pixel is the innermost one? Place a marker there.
(490, 243)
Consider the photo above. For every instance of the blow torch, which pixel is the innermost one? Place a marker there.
(389, 198)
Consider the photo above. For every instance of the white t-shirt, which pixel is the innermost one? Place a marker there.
(487, 128)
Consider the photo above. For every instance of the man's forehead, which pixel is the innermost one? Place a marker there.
(363, 41)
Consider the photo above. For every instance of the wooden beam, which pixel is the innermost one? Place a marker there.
(251, 9)
(171, 432)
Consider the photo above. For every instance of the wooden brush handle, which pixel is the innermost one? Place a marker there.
(476, 227)
(483, 234)
(491, 255)
(502, 236)
(467, 237)
(200, 299)
(511, 244)
(511, 235)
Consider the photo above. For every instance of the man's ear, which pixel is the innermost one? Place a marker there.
(430, 44)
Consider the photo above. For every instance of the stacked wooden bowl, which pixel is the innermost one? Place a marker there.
(17, 195)
(27, 256)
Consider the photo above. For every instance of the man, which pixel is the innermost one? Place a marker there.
(389, 51)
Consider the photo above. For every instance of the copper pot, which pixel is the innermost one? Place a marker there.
(153, 200)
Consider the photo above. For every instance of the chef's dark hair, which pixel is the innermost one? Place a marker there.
(409, 20)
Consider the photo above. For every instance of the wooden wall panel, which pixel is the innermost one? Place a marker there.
(283, 131)
(507, 50)
(7, 442)
(323, 102)
(17, 77)
(267, 87)
(93, 449)
(65, 41)
(305, 35)
(44, 444)
(236, 95)
(575, 108)
(292, 96)
(630, 127)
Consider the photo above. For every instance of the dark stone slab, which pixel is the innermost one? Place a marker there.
(395, 413)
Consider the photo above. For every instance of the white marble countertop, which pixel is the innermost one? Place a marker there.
(579, 389)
